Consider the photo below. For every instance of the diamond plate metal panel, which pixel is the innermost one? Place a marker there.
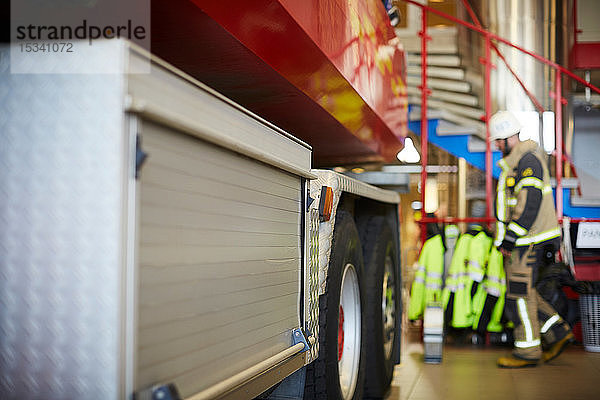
(311, 308)
(61, 206)
(339, 184)
(326, 227)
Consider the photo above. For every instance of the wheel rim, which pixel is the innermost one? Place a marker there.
(349, 331)
(388, 307)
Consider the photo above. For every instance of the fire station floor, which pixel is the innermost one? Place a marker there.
(468, 372)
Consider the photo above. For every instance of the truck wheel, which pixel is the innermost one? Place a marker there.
(338, 371)
(382, 304)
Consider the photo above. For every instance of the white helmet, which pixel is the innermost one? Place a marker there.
(503, 125)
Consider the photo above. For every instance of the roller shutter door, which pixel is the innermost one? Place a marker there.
(219, 261)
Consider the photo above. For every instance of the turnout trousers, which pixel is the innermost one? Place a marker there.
(536, 322)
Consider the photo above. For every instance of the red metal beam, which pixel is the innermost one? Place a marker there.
(472, 13)
(559, 144)
(424, 126)
(584, 219)
(507, 42)
(488, 115)
(533, 99)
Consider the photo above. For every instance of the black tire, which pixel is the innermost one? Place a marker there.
(322, 375)
(378, 249)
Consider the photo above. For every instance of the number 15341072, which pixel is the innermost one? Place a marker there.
(46, 47)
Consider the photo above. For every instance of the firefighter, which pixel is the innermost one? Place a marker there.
(526, 224)
(427, 285)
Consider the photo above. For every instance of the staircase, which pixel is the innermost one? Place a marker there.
(455, 111)
(452, 86)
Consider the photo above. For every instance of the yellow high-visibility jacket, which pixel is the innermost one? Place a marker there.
(455, 286)
(427, 285)
(488, 303)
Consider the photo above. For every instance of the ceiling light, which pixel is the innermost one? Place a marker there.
(409, 153)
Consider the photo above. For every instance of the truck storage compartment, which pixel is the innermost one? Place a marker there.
(118, 275)
(219, 261)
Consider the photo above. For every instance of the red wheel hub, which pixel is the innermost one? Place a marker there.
(341, 334)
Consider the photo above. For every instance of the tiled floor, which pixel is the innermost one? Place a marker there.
(471, 373)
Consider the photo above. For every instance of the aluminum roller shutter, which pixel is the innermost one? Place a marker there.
(219, 261)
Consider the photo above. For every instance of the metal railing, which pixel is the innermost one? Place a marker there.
(559, 101)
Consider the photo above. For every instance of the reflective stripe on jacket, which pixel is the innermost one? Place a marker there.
(524, 202)
(479, 251)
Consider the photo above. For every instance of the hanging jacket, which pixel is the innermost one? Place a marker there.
(524, 202)
(477, 259)
(455, 299)
(488, 303)
(451, 234)
(427, 285)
